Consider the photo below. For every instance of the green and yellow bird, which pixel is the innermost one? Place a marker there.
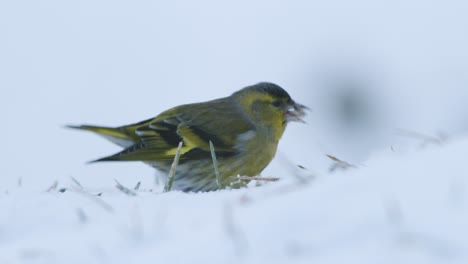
(244, 128)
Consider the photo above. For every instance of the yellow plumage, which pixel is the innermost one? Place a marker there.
(245, 129)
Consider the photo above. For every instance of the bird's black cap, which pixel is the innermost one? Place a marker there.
(270, 88)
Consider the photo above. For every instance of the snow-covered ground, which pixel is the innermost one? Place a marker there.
(396, 208)
(386, 81)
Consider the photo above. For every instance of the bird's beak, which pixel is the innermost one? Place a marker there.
(295, 112)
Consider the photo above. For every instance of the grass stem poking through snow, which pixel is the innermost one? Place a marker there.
(339, 164)
(172, 172)
(124, 189)
(98, 200)
(77, 183)
(215, 165)
(424, 138)
(53, 187)
(137, 186)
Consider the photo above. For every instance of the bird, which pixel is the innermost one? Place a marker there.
(243, 128)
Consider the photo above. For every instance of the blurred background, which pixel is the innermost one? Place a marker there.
(378, 75)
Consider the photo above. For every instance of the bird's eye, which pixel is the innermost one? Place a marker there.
(276, 103)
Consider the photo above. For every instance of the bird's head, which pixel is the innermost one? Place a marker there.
(270, 105)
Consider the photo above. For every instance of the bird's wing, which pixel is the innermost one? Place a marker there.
(219, 121)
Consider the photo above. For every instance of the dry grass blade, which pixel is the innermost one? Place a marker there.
(339, 164)
(256, 178)
(215, 165)
(124, 189)
(77, 183)
(425, 138)
(53, 186)
(137, 186)
(101, 203)
(97, 199)
(173, 170)
(78, 188)
(293, 169)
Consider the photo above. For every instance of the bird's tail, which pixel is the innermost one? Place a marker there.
(117, 135)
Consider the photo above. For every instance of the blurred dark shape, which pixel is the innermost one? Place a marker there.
(352, 110)
(351, 102)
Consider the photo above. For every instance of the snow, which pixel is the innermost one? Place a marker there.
(397, 208)
(386, 82)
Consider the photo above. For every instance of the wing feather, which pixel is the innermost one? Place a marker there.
(194, 125)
